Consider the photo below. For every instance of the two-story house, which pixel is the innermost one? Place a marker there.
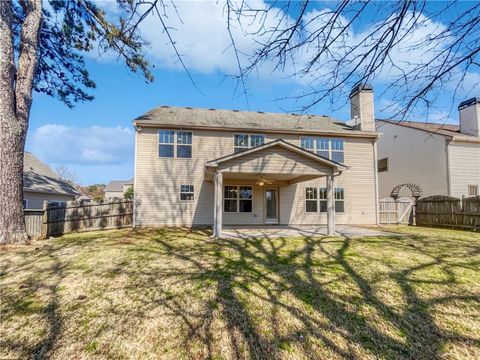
(225, 167)
(441, 159)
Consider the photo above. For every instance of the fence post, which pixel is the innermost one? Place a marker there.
(44, 226)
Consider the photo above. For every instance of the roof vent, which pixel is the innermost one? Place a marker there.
(235, 110)
(188, 107)
(165, 106)
(211, 109)
(261, 112)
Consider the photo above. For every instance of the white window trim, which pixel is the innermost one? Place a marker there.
(330, 150)
(385, 158)
(238, 199)
(319, 200)
(180, 193)
(249, 135)
(474, 187)
(175, 144)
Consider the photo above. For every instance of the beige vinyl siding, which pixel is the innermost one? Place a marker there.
(274, 160)
(414, 156)
(358, 183)
(157, 182)
(464, 167)
(35, 200)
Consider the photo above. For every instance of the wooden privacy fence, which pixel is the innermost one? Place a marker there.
(446, 211)
(74, 217)
(33, 221)
(398, 211)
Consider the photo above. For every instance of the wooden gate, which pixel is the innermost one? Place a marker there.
(398, 211)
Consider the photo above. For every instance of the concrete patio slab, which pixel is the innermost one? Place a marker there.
(273, 231)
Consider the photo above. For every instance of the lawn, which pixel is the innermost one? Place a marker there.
(178, 294)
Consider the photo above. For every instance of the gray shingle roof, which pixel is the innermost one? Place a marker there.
(448, 130)
(177, 116)
(117, 185)
(39, 177)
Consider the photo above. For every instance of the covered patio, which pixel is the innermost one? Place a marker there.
(277, 162)
(270, 232)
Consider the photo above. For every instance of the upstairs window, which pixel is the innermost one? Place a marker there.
(383, 165)
(184, 144)
(243, 142)
(332, 149)
(174, 144)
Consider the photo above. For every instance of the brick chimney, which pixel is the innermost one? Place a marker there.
(469, 114)
(362, 107)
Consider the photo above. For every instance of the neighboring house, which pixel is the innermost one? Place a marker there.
(41, 183)
(228, 167)
(441, 159)
(116, 188)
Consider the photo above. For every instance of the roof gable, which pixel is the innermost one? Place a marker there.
(284, 145)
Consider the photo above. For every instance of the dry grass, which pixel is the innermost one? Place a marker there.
(175, 294)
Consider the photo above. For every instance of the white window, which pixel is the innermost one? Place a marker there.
(186, 192)
(245, 141)
(332, 149)
(311, 199)
(339, 200)
(237, 198)
(472, 190)
(166, 139)
(316, 199)
(174, 144)
(383, 165)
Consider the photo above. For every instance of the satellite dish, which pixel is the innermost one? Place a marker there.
(353, 122)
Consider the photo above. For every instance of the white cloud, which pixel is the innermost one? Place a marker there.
(94, 145)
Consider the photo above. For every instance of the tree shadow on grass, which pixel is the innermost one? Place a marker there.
(275, 269)
(268, 298)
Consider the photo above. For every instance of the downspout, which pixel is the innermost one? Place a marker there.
(449, 173)
(134, 220)
(375, 167)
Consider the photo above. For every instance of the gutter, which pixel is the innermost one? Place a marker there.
(354, 133)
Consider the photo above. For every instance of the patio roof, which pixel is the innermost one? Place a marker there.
(284, 144)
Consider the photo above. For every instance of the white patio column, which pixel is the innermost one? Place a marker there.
(330, 206)
(218, 208)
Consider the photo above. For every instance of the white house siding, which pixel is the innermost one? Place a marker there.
(464, 167)
(414, 156)
(35, 199)
(157, 183)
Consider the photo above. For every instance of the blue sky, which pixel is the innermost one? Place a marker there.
(95, 139)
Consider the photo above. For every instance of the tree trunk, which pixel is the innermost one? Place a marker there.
(12, 223)
(16, 84)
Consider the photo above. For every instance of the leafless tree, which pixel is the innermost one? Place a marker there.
(415, 48)
(67, 174)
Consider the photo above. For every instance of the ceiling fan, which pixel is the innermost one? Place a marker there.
(262, 181)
